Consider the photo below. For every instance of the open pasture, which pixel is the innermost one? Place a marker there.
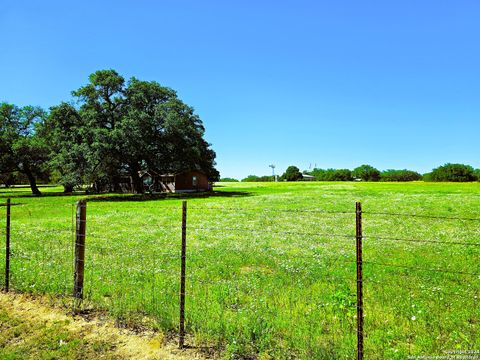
(270, 266)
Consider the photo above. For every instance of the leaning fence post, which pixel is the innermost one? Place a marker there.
(80, 249)
(7, 248)
(181, 341)
(358, 213)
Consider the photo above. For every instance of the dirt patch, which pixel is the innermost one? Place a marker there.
(38, 313)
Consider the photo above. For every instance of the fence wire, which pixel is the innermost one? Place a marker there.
(40, 249)
(421, 291)
(273, 281)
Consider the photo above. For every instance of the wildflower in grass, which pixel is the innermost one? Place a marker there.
(414, 318)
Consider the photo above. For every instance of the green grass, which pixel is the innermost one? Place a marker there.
(264, 277)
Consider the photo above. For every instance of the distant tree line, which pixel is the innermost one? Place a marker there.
(228, 179)
(447, 172)
(254, 178)
(112, 130)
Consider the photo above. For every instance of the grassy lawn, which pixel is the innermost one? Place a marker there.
(270, 266)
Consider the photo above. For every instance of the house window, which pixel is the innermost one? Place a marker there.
(194, 180)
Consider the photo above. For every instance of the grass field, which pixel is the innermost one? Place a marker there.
(270, 266)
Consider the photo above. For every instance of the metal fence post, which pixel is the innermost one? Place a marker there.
(358, 213)
(80, 249)
(7, 248)
(181, 341)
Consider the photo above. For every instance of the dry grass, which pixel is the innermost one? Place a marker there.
(34, 327)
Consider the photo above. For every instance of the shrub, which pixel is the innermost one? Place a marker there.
(453, 172)
(400, 175)
(255, 178)
(332, 174)
(266, 178)
(427, 177)
(251, 178)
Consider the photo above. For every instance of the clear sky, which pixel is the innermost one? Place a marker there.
(395, 84)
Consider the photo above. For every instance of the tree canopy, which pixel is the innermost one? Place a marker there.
(292, 174)
(453, 172)
(21, 149)
(366, 173)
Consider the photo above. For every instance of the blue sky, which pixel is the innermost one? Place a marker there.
(395, 84)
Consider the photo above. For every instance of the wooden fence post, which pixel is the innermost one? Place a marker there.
(80, 249)
(7, 248)
(181, 341)
(359, 236)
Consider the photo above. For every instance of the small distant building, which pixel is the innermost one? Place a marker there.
(307, 177)
(186, 181)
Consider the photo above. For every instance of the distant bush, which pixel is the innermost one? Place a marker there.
(17, 178)
(332, 174)
(453, 172)
(366, 173)
(477, 174)
(227, 179)
(427, 177)
(7, 179)
(251, 178)
(400, 175)
(292, 174)
(255, 178)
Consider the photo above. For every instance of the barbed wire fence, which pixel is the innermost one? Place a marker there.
(133, 273)
(275, 281)
(264, 278)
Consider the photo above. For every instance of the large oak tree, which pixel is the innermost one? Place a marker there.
(119, 128)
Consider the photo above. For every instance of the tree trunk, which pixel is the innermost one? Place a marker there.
(67, 188)
(137, 183)
(32, 181)
(115, 185)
